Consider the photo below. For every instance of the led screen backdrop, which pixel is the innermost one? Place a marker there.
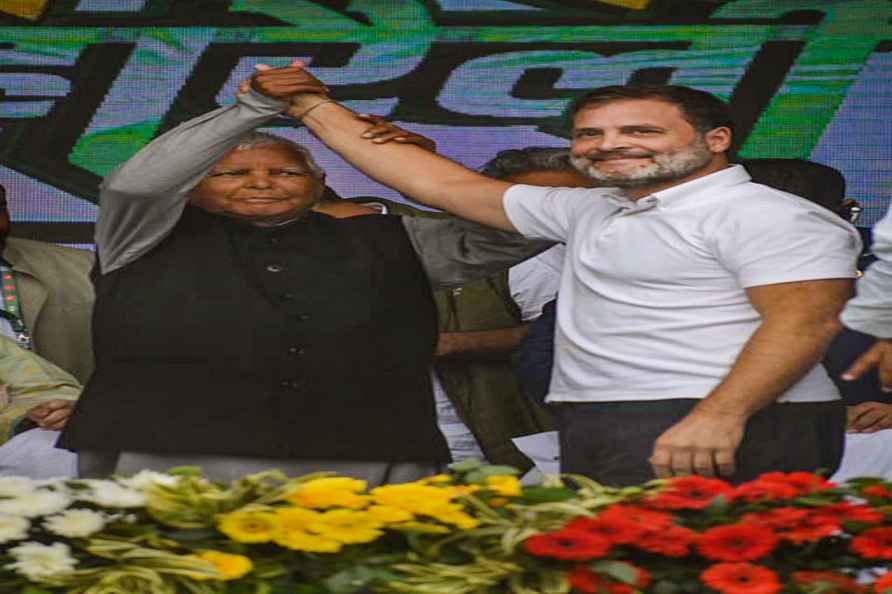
(85, 83)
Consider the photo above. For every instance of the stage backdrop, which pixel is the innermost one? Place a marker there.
(85, 83)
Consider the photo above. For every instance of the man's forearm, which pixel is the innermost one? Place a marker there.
(776, 356)
(426, 177)
(491, 345)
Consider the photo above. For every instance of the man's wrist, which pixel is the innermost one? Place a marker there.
(301, 105)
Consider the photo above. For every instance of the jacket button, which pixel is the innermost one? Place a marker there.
(274, 268)
(296, 351)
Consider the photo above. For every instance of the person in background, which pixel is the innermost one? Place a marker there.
(47, 300)
(689, 326)
(30, 389)
(480, 407)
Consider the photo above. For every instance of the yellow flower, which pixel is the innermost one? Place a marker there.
(425, 527)
(388, 514)
(303, 541)
(295, 519)
(507, 485)
(248, 525)
(412, 497)
(347, 526)
(460, 490)
(453, 513)
(231, 567)
(325, 493)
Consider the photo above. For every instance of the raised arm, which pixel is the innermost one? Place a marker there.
(142, 200)
(426, 177)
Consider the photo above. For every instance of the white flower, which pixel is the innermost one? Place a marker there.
(13, 528)
(75, 523)
(37, 561)
(16, 486)
(110, 494)
(36, 503)
(147, 478)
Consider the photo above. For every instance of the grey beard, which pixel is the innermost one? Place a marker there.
(665, 167)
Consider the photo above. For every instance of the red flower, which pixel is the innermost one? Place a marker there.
(568, 544)
(646, 518)
(741, 578)
(616, 530)
(847, 512)
(880, 491)
(778, 485)
(582, 578)
(674, 541)
(794, 524)
(875, 543)
(765, 491)
(884, 584)
(828, 582)
(690, 492)
(737, 542)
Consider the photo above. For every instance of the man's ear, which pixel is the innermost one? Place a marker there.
(719, 139)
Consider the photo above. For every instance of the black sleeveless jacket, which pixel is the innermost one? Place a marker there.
(308, 341)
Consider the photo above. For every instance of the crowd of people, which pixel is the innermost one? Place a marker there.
(245, 317)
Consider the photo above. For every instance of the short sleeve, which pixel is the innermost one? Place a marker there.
(784, 239)
(536, 281)
(544, 213)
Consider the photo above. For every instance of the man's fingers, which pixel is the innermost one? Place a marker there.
(59, 416)
(661, 461)
(262, 67)
(704, 463)
(724, 461)
(885, 369)
(862, 365)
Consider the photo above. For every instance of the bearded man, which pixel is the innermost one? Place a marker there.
(694, 304)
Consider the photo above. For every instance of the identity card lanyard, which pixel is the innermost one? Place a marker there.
(11, 308)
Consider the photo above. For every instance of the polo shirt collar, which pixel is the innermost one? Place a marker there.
(729, 176)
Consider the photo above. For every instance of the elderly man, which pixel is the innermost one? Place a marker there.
(238, 330)
(694, 304)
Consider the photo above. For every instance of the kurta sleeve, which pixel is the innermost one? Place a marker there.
(141, 201)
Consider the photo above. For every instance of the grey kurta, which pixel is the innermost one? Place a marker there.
(141, 202)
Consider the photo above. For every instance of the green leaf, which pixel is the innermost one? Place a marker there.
(547, 494)
(466, 465)
(35, 590)
(355, 578)
(185, 471)
(664, 587)
(479, 476)
(621, 572)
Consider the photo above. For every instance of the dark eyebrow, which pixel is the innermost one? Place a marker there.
(642, 128)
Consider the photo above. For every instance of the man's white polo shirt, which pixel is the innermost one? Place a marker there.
(652, 303)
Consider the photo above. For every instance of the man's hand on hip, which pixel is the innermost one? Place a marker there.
(701, 443)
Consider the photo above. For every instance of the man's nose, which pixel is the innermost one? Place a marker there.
(259, 179)
(610, 141)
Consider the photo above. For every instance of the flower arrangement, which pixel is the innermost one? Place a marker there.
(476, 531)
